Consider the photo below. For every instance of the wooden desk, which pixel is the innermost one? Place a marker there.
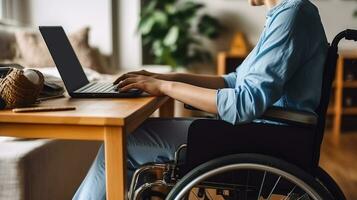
(108, 120)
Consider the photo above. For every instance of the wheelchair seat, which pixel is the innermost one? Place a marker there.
(291, 143)
(283, 156)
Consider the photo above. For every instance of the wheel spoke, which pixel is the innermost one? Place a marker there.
(209, 195)
(286, 198)
(261, 185)
(193, 192)
(272, 190)
(304, 195)
(246, 185)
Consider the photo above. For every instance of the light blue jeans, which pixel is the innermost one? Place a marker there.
(156, 140)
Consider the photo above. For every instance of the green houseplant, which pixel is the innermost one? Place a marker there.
(172, 31)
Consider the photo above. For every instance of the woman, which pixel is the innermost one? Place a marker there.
(284, 69)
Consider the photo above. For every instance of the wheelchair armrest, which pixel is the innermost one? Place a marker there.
(285, 115)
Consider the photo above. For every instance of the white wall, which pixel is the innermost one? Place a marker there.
(129, 40)
(72, 15)
(336, 15)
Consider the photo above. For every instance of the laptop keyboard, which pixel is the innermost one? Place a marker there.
(99, 87)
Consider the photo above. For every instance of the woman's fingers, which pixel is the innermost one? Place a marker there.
(138, 73)
(126, 82)
(141, 72)
(120, 78)
(131, 74)
(123, 77)
(130, 86)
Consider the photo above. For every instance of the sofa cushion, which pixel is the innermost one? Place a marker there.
(11, 173)
(34, 52)
(42, 169)
(7, 44)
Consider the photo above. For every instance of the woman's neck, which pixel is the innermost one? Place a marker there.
(271, 3)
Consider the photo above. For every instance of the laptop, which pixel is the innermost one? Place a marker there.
(71, 71)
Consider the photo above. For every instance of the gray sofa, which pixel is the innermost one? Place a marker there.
(42, 169)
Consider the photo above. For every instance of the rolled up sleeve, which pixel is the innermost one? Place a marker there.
(230, 79)
(278, 57)
(226, 104)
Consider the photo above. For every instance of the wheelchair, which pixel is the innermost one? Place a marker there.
(249, 161)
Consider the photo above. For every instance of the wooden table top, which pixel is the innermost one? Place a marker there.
(98, 111)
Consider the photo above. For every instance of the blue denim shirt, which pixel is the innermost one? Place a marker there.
(284, 69)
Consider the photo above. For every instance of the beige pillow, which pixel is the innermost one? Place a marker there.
(34, 52)
(7, 45)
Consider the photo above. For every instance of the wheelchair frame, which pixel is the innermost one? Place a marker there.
(312, 125)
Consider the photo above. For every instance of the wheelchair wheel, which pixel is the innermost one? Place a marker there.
(330, 184)
(248, 176)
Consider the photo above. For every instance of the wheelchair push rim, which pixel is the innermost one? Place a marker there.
(264, 164)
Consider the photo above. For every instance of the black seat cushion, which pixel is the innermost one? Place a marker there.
(209, 139)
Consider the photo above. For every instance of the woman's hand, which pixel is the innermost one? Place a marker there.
(148, 84)
(141, 72)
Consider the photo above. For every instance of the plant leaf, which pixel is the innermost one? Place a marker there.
(188, 10)
(160, 17)
(191, 6)
(171, 36)
(209, 27)
(146, 25)
(149, 7)
(157, 48)
(172, 31)
(170, 9)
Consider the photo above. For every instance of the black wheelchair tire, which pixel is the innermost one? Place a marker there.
(254, 159)
(330, 184)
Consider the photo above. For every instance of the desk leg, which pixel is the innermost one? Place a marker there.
(115, 161)
(168, 109)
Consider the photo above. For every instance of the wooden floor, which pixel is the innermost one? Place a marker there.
(341, 162)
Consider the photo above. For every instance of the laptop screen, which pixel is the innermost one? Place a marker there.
(64, 57)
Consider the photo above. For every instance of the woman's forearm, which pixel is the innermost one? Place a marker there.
(205, 81)
(198, 97)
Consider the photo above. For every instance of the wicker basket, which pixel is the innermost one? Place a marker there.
(18, 91)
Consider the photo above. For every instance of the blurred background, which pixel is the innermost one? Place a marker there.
(201, 36)
(113, 24)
